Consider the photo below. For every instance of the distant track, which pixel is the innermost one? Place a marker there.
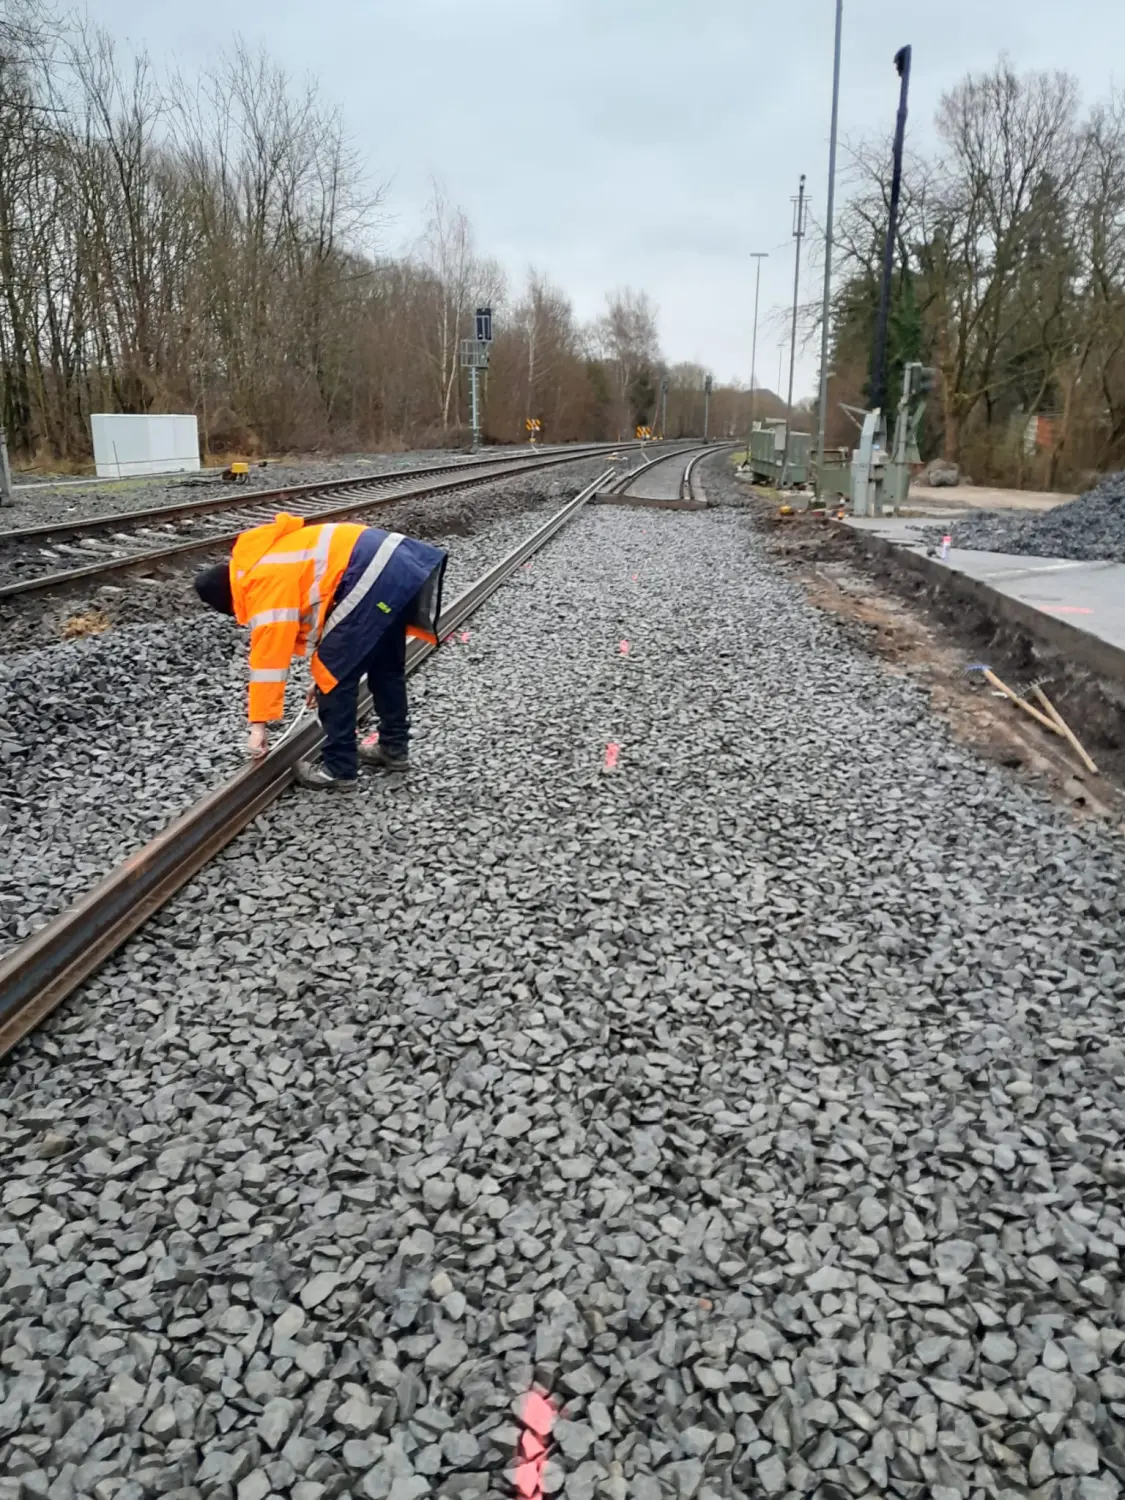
(216, 522)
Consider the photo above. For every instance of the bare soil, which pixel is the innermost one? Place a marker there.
(931, 637)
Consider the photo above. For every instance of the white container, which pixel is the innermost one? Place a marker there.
(126, 445)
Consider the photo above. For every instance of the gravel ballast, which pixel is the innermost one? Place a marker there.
(1089, 529)
(760, 1098)
(104, 740)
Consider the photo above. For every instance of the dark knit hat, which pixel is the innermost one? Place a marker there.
(213, 587)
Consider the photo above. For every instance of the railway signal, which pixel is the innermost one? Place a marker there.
(474, 358)
(644, 434)
(534, 426)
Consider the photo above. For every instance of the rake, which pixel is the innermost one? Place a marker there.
(1051, 720)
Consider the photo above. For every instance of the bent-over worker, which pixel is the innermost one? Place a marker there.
(356, 592)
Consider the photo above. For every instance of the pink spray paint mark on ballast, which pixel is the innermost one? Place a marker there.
(463, 637)
(612, 751)
(624, 648)
(538, 1416)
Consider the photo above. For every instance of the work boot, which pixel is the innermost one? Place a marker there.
(315, 775)
(374, 753)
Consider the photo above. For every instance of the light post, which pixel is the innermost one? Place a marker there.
(798, 235)
(759, 256)
(822, 413)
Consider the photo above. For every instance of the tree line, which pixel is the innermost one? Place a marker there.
(1009, 280)
(206, 245)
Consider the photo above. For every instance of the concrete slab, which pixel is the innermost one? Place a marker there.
(1087, 596)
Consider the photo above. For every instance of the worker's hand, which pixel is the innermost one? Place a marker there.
(310, 697)
(259, 741)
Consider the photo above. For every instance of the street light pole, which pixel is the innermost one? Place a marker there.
(822, 412)
(798, 235)
(759, 256)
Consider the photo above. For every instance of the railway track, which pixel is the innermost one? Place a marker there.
(689, 486)
(134, 541)
(42, 971)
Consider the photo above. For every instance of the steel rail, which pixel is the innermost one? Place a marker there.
(39, 974)
(208, 505)
(458, 480)
(688, 486)
(623, 481)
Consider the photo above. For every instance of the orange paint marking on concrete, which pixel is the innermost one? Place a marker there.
(612, 751)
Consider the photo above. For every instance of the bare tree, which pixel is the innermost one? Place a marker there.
(210, 244)
(630, 342)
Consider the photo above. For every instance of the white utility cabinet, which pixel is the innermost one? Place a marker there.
(125, 445)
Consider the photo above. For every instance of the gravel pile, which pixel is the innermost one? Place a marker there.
(764, 1112)
(1089, 529)
(103, 740)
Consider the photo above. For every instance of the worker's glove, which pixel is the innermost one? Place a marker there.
(259, 741)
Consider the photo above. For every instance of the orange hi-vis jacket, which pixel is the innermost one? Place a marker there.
(284, 579)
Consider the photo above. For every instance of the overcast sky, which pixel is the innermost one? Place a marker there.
(653, 143)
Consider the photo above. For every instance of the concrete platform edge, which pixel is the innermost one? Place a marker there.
(1089, 651)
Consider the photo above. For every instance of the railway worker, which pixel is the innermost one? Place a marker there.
(356, 592)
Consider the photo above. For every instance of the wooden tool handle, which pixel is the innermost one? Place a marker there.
(1002, 687)
(1065, 729)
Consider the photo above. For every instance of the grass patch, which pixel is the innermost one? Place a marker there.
(92, 622)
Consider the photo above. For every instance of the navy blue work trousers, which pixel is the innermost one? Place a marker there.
(385, 670)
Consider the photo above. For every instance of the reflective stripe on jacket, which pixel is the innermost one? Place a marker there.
(284, 579)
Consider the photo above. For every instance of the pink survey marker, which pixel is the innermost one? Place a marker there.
(538, 1416)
